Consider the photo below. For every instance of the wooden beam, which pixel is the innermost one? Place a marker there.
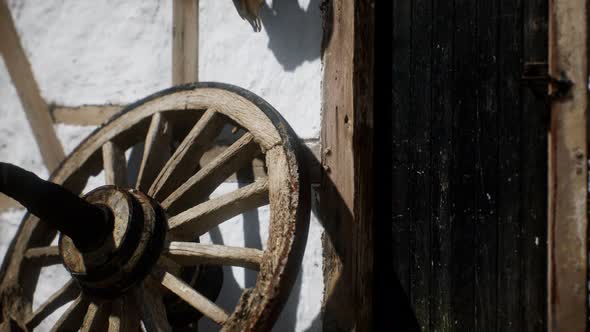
(84, 115)
(185, 41)
(27, 89)
(568, 185)
(8, 203)
(346, 186)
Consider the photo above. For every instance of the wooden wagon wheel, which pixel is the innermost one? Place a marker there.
(156, 225)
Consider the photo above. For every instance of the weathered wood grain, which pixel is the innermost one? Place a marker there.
(286, 228)
(441, 155)
(126, 128)
(346, 187)
(486, 218)
(313, 164)
(84, 115)
(44, 256)
(464, 172)
(465, 104)
(192, 297)
(568, 180)
(400, 142)
(191, 253)
(420, 179)
(156, 151)
(510, 122)
(534, 159)
(114, 164)
(204, 216)
(185, 41)
(183, 163)
(289, 195)
(204, 182)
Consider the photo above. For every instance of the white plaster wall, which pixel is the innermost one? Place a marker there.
(95, 52)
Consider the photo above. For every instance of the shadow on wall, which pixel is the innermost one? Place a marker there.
(251, 227)
(232, 291)
(294, 32)
(295, 36)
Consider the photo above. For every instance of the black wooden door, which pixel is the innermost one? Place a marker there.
(468, 141)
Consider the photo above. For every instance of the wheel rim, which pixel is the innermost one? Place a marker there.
(183, 191)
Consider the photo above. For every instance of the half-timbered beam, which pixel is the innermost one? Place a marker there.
(84, 115)
(346, 185)
(36, 109)
(568, 176)
(185, 41)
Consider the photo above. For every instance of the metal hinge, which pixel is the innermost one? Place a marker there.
(536, 74)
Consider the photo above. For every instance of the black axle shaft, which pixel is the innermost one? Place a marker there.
(86, 224)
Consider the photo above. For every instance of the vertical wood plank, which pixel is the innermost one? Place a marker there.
(568, 249)
(441, 155)
(185, 41)
(486, 150)
(400, 225)
(346, 187)
(419, 179)
(389, 296)
(465, 175)
(534, 159)
(28, 91)
(363, 147)
(336, 186)
(510, 281)
(487, 264)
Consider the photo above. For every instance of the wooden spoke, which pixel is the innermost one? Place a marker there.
(153, 312)
(191, 253)
(184, 160)
(64, 295)
(43, 256)
(72, 319)
(96, 318)
(124, 316)
(199, 219)
(201, 185)
(114, 164)
(192, 297)
(156, 151)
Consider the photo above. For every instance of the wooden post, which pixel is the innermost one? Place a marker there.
(568, 185)
(346, 186)
(24, 82)
(185, 41)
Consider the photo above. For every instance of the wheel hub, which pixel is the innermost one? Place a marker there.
(130, 250)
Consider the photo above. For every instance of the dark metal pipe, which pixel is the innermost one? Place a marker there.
(86, 224)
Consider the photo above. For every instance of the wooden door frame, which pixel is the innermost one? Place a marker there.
(568, 168)
(346, 190)
(347, 122)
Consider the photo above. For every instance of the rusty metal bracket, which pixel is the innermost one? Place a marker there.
(536, 75)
